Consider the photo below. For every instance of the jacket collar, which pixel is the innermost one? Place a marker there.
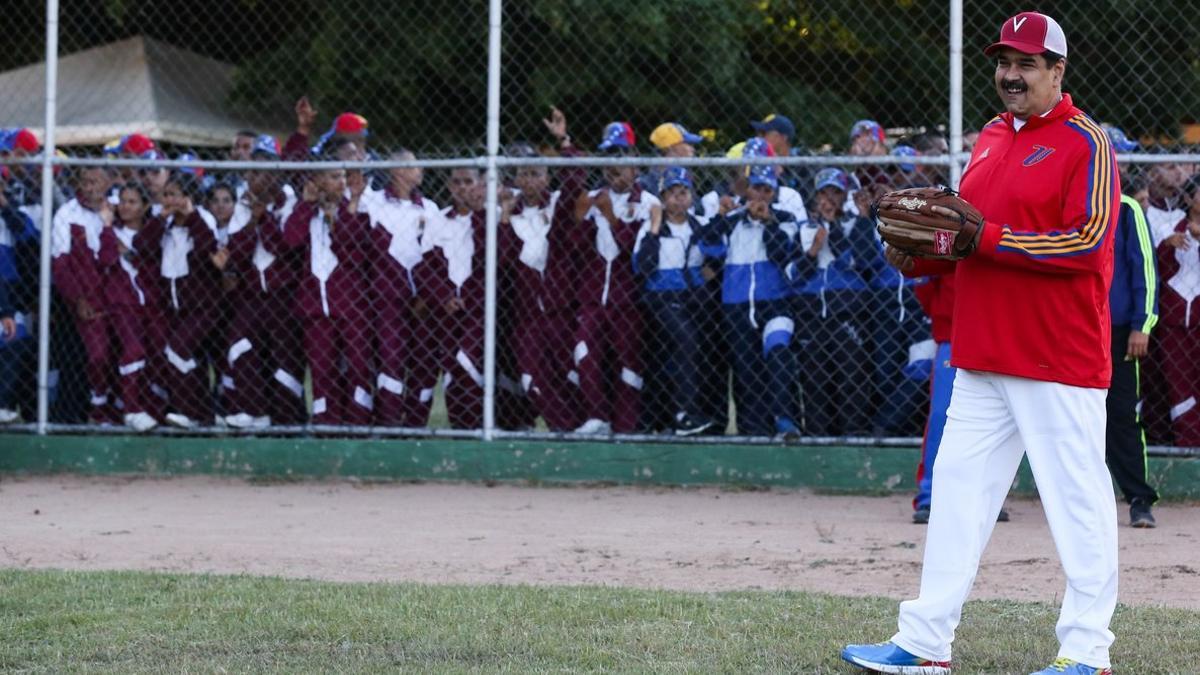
(1058, 112)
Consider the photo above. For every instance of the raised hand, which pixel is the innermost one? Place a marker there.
(306, 114)
(556, 124)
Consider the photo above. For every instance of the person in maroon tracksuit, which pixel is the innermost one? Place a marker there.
(129, 255)
(543, 228)
(608, 339)
(334, 240)
(264, 361)
(78, 279)
(1178, 331)
(458, 283)
(404, 227)
(190, 288)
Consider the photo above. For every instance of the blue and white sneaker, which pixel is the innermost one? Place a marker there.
(786, 429)
(1071, 667)
(887, 657)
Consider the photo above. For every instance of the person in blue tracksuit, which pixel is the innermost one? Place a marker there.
(756, 242)
(1133, 305)
(667, 260)
(836, 248)
(17, 235)
(900, 349)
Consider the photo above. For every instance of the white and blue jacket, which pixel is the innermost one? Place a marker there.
(755, 254)
(839, 265)
(670, 260)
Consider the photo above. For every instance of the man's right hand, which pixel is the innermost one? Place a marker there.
(9, 326)
(898, 259)
(305, 116)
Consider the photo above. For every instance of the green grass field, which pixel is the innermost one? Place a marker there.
(130, 622)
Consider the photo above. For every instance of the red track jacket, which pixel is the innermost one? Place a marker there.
(1033, 300)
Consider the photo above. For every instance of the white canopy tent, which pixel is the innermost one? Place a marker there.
(138, 85)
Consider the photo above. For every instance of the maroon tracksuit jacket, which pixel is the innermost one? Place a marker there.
(404, 229)
(78, 276)
(131, 295)
(330, 299)
(190, 288)
(609, 320)
(457, 270)
(544, 267)
(1178, 334)
(264, 363)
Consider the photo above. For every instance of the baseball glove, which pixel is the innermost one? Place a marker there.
(929, 222)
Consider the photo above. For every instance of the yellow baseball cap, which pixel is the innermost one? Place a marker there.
(672, 133)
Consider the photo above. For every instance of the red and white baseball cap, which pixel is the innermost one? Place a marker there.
(1031, 33)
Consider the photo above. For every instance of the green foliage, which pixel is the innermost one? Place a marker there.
(418, 69)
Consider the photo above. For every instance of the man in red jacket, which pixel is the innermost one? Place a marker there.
(1031, 345)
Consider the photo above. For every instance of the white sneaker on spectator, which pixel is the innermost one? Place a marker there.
(247, 421)
(180, 420)
(9, 416)
(140, 421)
(594, 427)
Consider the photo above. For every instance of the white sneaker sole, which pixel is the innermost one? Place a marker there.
(899, 670)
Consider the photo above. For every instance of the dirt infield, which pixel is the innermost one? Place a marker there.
(690, 539)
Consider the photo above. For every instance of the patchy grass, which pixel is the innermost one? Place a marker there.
(133, 622)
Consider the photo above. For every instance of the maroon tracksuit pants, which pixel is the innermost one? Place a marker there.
(95, 337)
(608, 357)
(408, 365)
(1180, 348)
(542, 342)
(140, 331)
(460, 347)
(338, 350)
(264, 365)
(185, 373)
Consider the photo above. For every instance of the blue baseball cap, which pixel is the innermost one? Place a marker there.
(196, 171)
(757, 147)
(676, 175)
(265, 144)
(764, 175)
(832, 177)
(1120, 142)
(617, 136)
(867, 127)
(905, 151)
(775, 122)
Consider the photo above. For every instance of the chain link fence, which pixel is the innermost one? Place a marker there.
(273, 216)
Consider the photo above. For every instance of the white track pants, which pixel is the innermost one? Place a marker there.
(991, 420)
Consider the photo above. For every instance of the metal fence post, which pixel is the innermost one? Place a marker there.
(43, 375)
(493, 183)
(956, 90)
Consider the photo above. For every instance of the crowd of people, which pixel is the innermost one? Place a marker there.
(629, 301)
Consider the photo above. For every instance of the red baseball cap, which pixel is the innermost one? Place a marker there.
(349, 123)
(1031, 33)
(25, 140)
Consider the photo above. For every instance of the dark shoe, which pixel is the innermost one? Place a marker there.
(1140, 516)
(921, 516)
(687, 425)
(1002, 517)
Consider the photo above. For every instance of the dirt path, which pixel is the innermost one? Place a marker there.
(693, 539)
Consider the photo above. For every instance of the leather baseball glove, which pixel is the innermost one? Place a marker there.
(929, 222)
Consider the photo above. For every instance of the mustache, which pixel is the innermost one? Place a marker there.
(1016, 84)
